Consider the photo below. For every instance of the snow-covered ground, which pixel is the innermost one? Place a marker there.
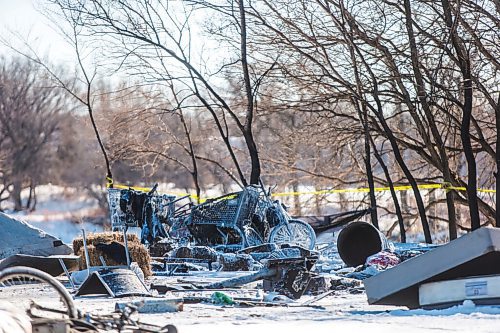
(58, 209)
(341, 312)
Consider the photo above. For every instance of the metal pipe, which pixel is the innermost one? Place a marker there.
(103, 262)
(63, 265)
(125, 241)
(87, 257)
(238, 281)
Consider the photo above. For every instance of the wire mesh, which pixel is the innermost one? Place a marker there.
(227, 211)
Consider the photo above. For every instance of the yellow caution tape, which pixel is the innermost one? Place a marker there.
(110, 184)
(135, 188)
(443, 186)
(354, 190)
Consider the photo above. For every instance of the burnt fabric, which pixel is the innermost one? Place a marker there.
(132, 204)
(114, 250)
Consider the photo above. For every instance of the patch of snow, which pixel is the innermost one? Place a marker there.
(467, 307)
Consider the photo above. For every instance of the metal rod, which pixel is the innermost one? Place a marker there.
(103, 263)
(125, 241)
(87, 257)
(239, 280)
(63, 265)
(318, 298)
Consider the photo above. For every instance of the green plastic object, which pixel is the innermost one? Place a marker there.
(222, 299)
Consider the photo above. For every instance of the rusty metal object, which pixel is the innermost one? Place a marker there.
(289, 276)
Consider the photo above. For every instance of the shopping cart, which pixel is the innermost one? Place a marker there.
(221, 222)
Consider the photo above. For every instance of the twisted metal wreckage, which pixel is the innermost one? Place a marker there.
(228, 223)
(244, 230)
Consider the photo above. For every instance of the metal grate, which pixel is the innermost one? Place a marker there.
(227, 211)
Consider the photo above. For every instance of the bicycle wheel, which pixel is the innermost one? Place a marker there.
(37, 292)
(295, 232)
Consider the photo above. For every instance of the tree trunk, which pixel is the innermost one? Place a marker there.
(465, 68)
(402, 231)
(452, 216)
(317, 205)
(433, 209)
(30, 204)
(409, 176)
(431, 122)
(17, 187)
(405, 207)
(254, 158)
(363, 118)
(497, 155)
(469, 155)
(247, 130)
(35, 199)
(296, 198)
(194, 172)
(369, 171)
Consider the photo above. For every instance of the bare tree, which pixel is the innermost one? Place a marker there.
(314, 89)
(313, 41)
(30, 115)
(153, 29)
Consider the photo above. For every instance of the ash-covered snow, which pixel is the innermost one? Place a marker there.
(342, 311)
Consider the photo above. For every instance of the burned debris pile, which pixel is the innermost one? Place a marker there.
(241, 249)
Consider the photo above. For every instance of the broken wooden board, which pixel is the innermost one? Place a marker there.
(163, 288)
(154, 305)
(474, 254)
